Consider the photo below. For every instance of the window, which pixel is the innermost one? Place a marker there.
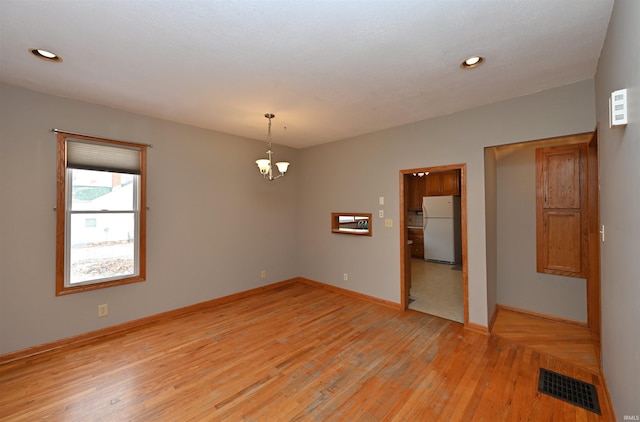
(101, 213)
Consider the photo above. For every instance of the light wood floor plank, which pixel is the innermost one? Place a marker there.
(297, 352)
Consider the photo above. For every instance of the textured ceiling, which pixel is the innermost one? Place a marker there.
(328, 70)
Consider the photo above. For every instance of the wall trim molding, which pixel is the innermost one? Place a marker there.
(351, 293)
(91, 336)
(606, 393)
(494, 316)
(541, 316)
(86, 338)
(477, 328)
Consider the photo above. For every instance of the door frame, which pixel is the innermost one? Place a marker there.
(405, 253)
(593, 278)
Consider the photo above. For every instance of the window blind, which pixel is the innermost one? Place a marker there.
(88, 155)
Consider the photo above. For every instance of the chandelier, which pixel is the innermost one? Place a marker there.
(264, 164)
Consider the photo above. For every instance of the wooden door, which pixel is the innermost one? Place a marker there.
(561, 208)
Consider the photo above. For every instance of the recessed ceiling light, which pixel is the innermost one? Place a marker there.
(45, 55)
(471, 62)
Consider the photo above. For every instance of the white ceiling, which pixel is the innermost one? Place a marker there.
(328, 70)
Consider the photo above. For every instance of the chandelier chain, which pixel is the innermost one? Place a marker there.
(269, 132)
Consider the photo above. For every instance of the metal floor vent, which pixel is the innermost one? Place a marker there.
(569, 389)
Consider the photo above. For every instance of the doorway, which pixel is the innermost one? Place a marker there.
(516, 283)
(432, 270)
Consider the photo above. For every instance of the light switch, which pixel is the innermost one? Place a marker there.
(618, 108)
(388, 222)
(381, 200)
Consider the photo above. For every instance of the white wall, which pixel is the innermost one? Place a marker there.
(350, 175)
(619, 67)
(213, 222)
(519, 285)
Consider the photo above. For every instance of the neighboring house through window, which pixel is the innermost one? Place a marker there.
(101, 213)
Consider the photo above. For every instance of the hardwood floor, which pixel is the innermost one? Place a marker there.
(298, 352)
(568, 342)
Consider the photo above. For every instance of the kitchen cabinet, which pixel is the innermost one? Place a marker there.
(443, 183)
(416, 192)
(417, 248)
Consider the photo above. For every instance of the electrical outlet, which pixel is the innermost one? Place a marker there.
(103, 310)
(263, 274)
(345, 276)
(381, 213)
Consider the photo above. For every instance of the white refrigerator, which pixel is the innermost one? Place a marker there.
(438, 221)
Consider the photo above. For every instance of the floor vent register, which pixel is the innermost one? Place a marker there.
(569, 389)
